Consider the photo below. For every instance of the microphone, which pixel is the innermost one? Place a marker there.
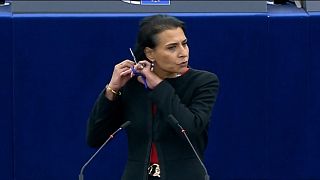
(176, 123)
(124, 125)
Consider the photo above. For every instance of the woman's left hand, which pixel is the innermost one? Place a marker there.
(144, 67)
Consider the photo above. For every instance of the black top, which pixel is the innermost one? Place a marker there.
(189, 98)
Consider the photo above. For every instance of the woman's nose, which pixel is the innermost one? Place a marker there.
(183, 51)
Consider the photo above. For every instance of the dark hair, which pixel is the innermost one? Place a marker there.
(149, 28)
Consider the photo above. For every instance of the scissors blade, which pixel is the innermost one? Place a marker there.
(134, 58)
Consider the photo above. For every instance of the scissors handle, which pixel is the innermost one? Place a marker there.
(143, 77)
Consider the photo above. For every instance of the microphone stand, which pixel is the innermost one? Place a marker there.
(175, 121)
(124, 125)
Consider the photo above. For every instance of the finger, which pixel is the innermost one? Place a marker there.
(126, 72)
(140, 79)
(126, 63)
(139, 66)
(144, 64)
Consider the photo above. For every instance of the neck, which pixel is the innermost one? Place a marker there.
(174, 75)
(165, 75)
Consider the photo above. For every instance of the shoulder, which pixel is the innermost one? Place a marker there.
(202, 76)
(203, 73)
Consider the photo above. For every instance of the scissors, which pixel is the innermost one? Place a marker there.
(134, 71)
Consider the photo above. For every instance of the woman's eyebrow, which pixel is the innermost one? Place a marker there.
(172, 44)
(175, 43)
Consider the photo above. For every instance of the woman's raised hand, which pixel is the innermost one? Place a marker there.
(121, 74)
(144, 67)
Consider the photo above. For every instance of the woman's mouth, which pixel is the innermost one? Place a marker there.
(184, 64)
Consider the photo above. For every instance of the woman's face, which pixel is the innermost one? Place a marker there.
(171, 53)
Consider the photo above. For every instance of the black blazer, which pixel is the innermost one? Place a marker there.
(189, 98)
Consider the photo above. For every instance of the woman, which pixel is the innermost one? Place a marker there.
(165, 87)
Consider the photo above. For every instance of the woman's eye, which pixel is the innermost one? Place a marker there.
(171, 47)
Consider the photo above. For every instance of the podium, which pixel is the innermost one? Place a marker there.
(311, 5)
(122, 6)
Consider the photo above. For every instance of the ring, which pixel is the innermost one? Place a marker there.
(142, 65)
